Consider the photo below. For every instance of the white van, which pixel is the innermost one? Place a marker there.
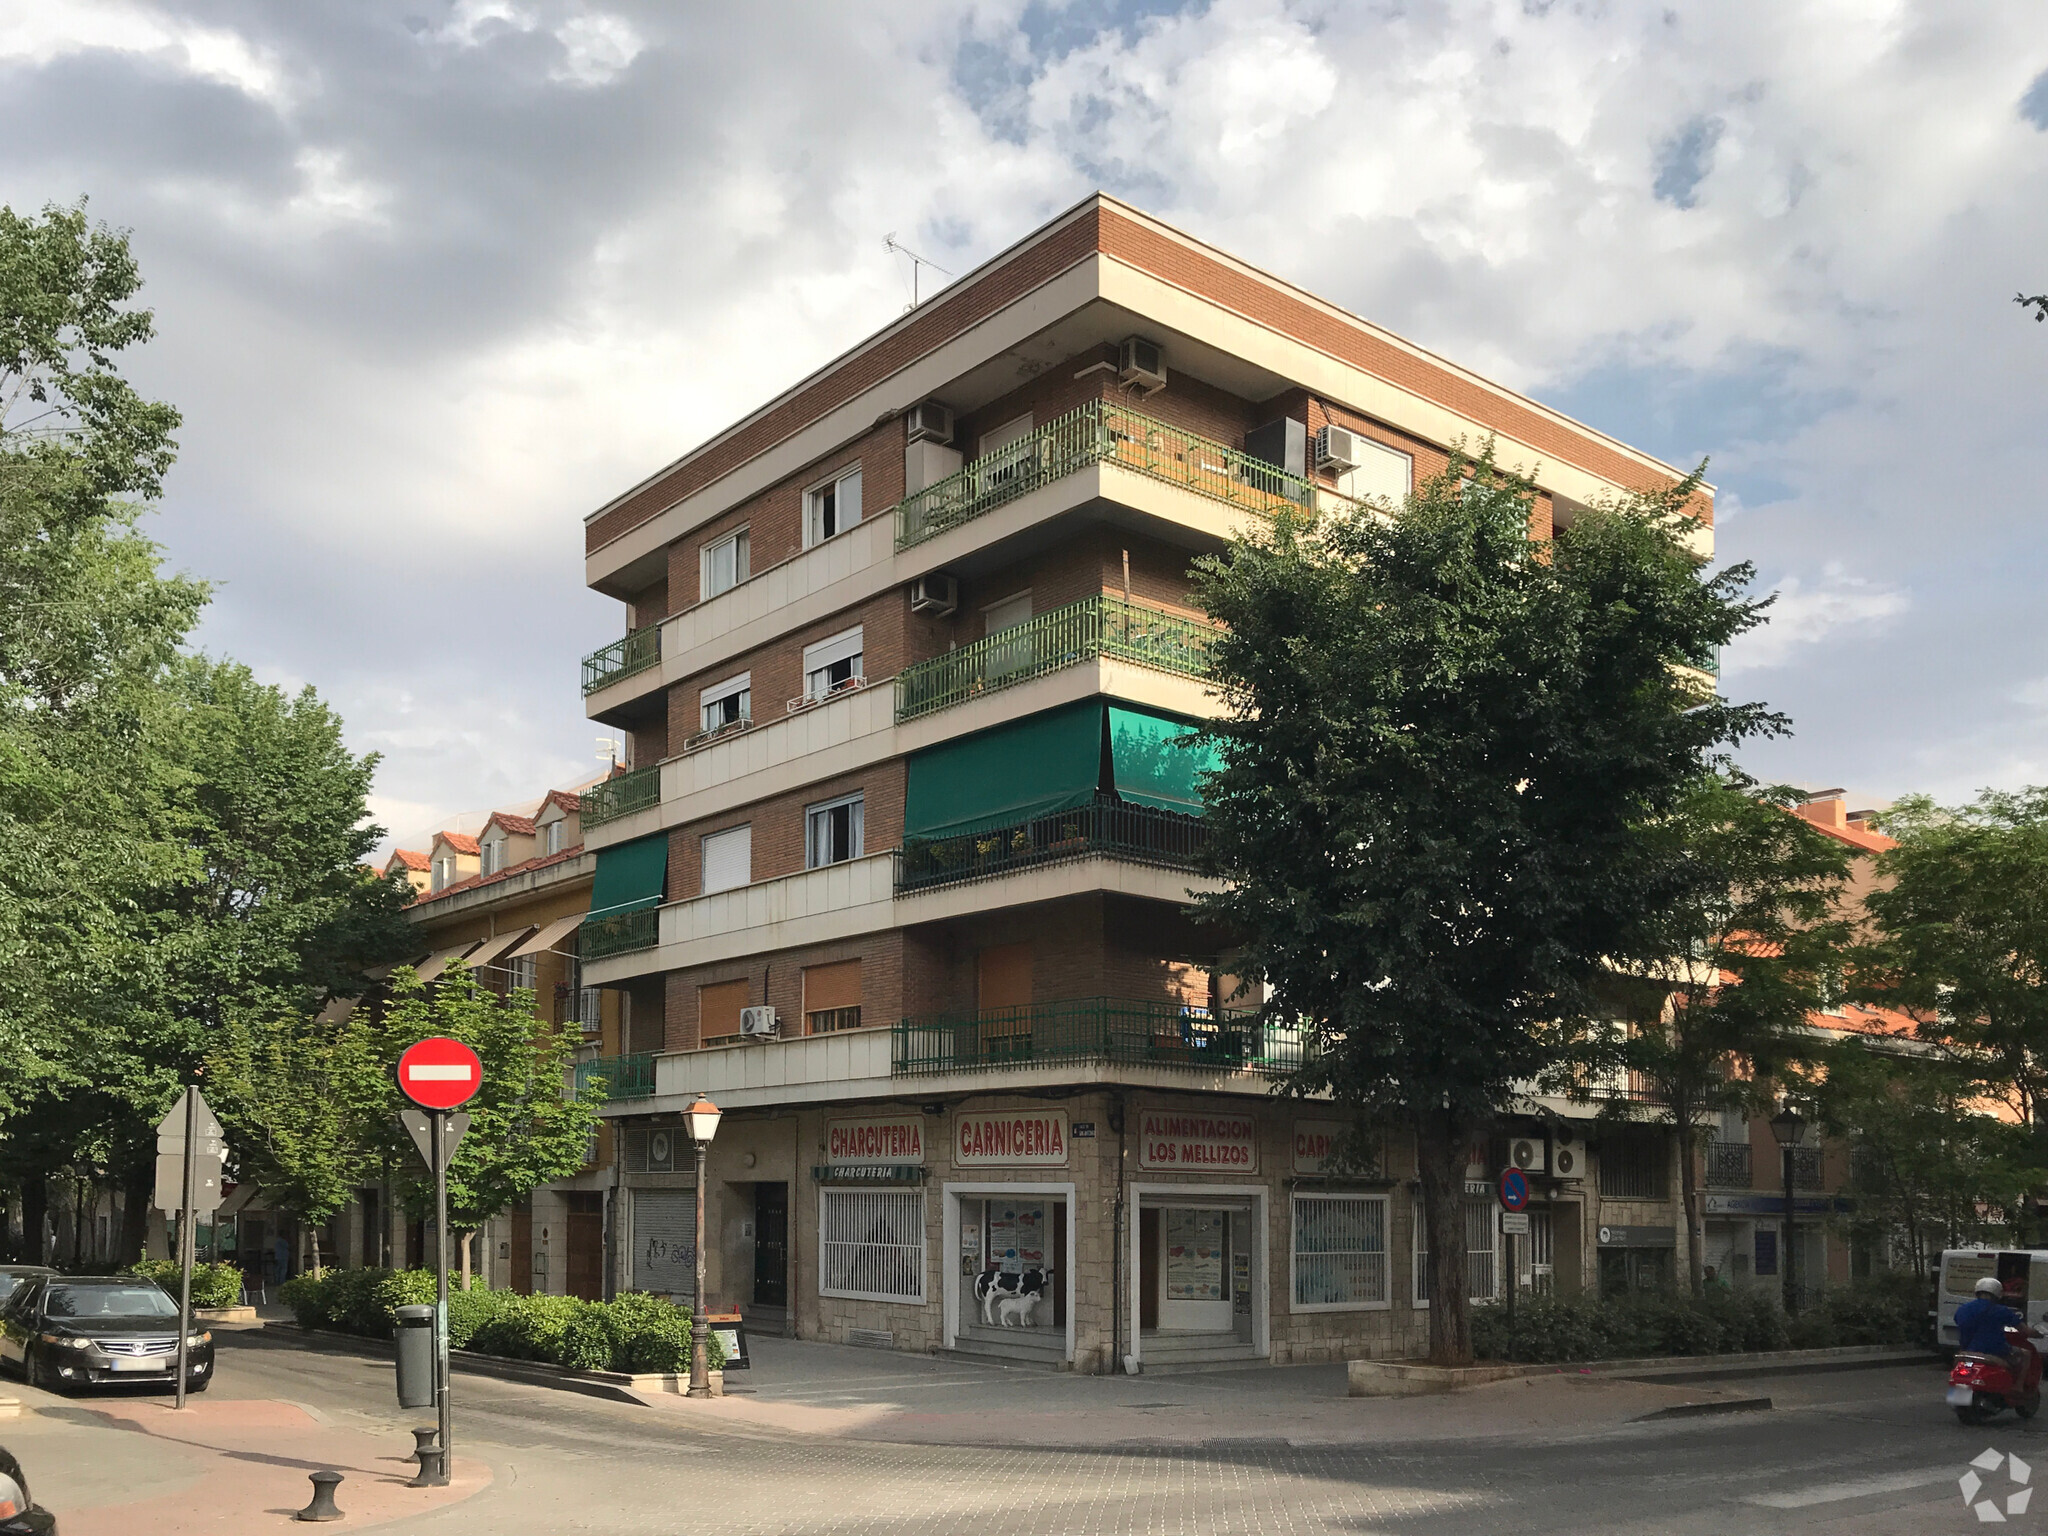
(2023, 1272)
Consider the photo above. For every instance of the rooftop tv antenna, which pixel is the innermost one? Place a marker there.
(608, 751)
(891, 243)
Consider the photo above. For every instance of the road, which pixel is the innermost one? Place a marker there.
(1870, 1452)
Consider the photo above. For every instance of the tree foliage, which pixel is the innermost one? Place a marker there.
(1751, 950)
(1445, 744)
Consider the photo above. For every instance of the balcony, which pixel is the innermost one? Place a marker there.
(1135, 833)
(1100, 432)
(1729, 1165)
(621, 934)
(1094, 1029)
(621, 795)
(1082, 631)
(622, 658)
(622, 1077)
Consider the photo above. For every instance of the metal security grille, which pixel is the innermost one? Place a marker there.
(1480, 1272)
(1340, 1250)
(1632, 1164)
(871, 1244)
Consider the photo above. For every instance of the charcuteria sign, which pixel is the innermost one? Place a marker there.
(896, 1139)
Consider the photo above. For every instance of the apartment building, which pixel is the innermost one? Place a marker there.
(899, 873)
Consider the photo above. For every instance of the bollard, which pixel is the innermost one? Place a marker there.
(423, 1440)
(322, 1507)
(433, 1471)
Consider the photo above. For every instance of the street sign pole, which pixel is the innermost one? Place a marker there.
(438, 1119)
(185, 1237)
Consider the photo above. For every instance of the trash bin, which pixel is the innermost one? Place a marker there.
(415, 1357)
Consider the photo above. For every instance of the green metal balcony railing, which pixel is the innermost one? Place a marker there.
(621, 934)
(1100, 432)
(1136, 833)
(622, 658)
(1102, 625)
(624, 1077)
(1094, 1029)
(621, 795)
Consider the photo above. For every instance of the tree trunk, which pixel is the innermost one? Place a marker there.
(1440, 1161)
(138, 1188)
(313, 1236)
(467, 1239)
(1690, 1198)
(35, 1211)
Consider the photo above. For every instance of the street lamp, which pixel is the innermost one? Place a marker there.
(1790, 1130)
(702, 1119)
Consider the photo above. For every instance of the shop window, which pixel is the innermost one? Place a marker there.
(1480, 1239)
(1632, 1164)
(832, 832)
(871, 1244)
(832, 508)
(1340, 1252)
(725, 563)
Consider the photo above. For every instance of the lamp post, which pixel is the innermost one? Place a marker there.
(1790, 1129)
(702, 1119)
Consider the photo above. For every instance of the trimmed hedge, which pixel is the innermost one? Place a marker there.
(1553, 1329)
(213, 1285)
(633, 1333)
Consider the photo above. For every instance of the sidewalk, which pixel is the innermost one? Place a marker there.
(222, 1467)
(837, 1392)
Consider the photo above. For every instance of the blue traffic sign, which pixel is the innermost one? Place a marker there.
(1514, 1189)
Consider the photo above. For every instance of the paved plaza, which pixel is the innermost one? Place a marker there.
(825, 1439)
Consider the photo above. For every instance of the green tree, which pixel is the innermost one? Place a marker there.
(525, 1129)
(1750, 951)
(1445, 741)
(2037, 302)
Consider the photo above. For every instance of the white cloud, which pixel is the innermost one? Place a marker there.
(595, 48)
(1836, 607)
(55, 29)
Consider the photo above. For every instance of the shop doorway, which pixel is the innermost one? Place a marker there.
(1200, 1276)
(584, 1276)
(522, 1247)
(1009, 1290)
(771, 1245)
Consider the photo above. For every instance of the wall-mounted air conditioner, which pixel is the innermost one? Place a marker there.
(1139, 362)
(1526, 1153)
(937, 593)
(1338, 448)
(758, 1023)
(930, 422)
(1567, 1151)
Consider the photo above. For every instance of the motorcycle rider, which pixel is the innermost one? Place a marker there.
(1981, 1324)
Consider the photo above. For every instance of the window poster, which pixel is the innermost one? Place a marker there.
(1194, 1254)
(1002, 1239)
(1030, 1236)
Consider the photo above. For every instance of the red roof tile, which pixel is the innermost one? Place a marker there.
(461, 842)
(476, 881)
(518, 826)
(407, 858)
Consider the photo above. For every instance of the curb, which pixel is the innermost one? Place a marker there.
(614, 1386)
(1406, 1378)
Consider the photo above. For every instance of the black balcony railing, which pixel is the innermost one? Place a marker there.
(1135, 833)
(1729, 1165)
(1094, 1029)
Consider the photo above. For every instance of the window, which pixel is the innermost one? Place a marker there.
(1006, 453)
(1632, 1164)
(1480, 1227)
(493, 856)
(727, 703)
(832, 663)
(1018, 653)
(1340, 1252)
(522, 971)
(832, 832)
(871, 1244)
(590, 1009)
(444, 872)
(718, 1009)
(832, 508)
(552, 837)
(728, 858)
(1385, 474)
(831, 997)
(724, 564)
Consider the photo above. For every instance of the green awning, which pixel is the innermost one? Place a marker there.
(1028, 768)
(1154, 762)
(630, 876)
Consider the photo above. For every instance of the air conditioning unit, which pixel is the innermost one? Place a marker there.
(930, 422)
(937, 593)
(1338, 448)
(1567, 1152)
(1139, 362)
(758, 1023)
(1526, 1153)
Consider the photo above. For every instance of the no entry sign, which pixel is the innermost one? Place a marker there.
(440, 1073)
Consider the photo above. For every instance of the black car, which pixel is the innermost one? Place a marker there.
(19, 1514)
(85, 1331)
(12, 1275)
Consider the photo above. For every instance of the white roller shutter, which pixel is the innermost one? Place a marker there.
(728, 859)
(665, 1242)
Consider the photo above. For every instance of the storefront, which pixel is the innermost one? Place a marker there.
(1197, 1246)
(1008, 1234)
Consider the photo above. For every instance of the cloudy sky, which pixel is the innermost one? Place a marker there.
(434, 280)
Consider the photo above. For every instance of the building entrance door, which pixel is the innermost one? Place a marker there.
(1194, 1269)
(585, 1274)
(771, 1245)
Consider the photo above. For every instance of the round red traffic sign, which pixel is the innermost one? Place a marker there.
(440, 1073)
(1514, 1189)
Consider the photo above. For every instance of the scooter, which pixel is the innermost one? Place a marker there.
(1980, 1387)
